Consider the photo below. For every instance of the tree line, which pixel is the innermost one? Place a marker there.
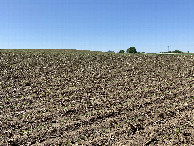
(133, 50)
(129, 50)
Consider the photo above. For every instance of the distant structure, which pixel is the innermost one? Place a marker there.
(168, 48)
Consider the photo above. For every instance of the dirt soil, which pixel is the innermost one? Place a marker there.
(68, 97)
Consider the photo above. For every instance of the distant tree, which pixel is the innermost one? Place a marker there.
(121, 51)
(131, 50)
(177, 51)
(111, 51)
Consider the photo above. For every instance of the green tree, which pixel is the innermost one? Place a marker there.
(131, 50)
(177, 51)
(121, 51)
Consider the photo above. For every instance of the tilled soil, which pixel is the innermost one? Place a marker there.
(68, 97)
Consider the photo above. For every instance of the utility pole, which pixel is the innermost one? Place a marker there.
(168, 48)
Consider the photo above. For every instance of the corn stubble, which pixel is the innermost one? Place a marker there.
(69, 97)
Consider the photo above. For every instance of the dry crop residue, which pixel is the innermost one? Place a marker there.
(73, 97)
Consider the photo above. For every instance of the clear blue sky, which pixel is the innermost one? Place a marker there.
(149, 25)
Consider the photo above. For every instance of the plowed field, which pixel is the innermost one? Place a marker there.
(67, 97)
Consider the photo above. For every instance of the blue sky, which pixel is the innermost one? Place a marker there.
(148, 25)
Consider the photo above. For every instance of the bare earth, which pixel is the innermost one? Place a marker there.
(61, 97)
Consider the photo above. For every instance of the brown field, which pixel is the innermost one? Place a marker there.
(69, 97)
